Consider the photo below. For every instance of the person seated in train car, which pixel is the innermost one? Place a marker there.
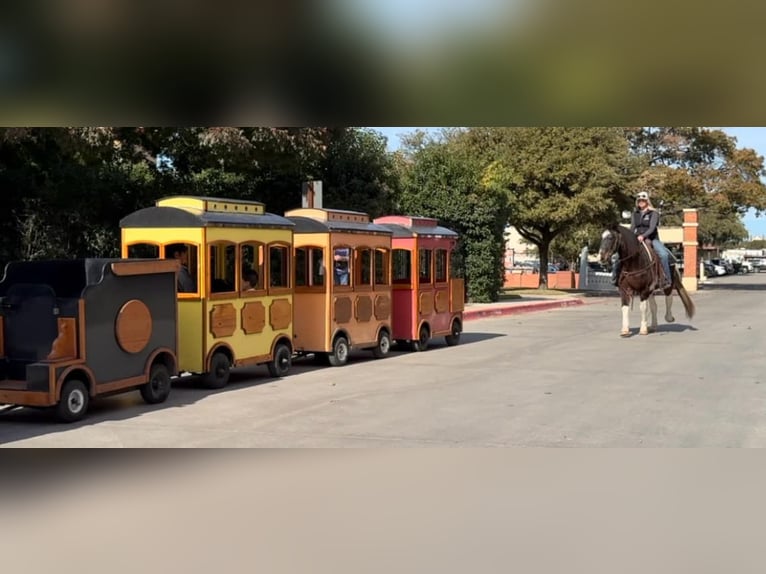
(180, 252)
(342, 257)
(249, 280)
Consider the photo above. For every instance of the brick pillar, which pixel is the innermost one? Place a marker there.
(690, 225)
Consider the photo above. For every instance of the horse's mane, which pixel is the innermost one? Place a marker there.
(628, 238)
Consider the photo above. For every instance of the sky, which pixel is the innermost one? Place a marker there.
(747, 137)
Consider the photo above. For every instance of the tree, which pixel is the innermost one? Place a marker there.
(689, 167)
(441, 178)
(557, 180)
(357, 172)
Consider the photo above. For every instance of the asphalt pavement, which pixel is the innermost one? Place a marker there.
(560, 377)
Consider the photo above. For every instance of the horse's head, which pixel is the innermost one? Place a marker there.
(610, 242)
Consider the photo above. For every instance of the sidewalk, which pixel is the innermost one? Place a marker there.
(521, 305)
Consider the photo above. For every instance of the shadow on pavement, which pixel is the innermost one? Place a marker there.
(27, 422)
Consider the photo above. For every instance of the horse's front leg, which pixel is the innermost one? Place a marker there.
(669, 308)
(644, 323)
(653, 309)
(625, 318)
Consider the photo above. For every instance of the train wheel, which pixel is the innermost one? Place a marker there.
(282, 361)
(157, 388)
(422, 343)
(384, 345)
(220, 369)
(339, 355)
(454, 337)
(73, 403)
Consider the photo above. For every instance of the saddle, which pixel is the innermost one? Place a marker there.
(656, 265)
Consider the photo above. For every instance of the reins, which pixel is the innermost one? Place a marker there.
(632, 255)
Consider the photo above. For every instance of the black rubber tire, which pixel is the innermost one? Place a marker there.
(220, 369)
(74, 401)
(422, 343)
(340, 350)
(282, 360)
(384, 345)
(157, 388)
(454, 338)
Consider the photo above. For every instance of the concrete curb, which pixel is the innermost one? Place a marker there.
(514, 308)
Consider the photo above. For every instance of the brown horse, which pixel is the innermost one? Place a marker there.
(641, 271)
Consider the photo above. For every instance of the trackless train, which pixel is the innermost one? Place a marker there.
(207, 284)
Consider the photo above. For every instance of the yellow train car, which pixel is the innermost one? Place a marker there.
(342, 283)
(235, 292)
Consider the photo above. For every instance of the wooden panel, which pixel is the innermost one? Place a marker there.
(146, 267)
(65, 345)
(442, 301)
(2, 337)
(457, 294)
(112, 386)
(223, 320)
(133, 326)
(426, 303)
(382, 307)
(342, 310)
(253, 317)
(363, 308)
(29, 398)
(280, 314)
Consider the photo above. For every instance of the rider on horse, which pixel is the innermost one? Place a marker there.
(645, 222)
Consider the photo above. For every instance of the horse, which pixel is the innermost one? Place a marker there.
(641, 271)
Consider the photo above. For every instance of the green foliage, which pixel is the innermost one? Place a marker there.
(358, 173)
(557, 180)
(701, 168)
(442, 179)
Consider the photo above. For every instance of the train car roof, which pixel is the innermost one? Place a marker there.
(310, 225)
(430, 231)
(163, 216)
(69, 277)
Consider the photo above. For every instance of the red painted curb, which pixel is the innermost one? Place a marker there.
(513, 309)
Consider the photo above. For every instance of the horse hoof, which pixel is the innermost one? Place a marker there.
(644, 331)
(624, 333)
(670, 319)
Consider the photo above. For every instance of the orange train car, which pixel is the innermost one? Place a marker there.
(342, 292)
(428, 299)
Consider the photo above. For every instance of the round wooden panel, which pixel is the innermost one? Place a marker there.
(133, 327)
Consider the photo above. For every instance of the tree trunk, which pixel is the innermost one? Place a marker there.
(543, 248)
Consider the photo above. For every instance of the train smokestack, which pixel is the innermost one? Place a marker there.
(312, 194)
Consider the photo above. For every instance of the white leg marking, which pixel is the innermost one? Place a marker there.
(644, 308)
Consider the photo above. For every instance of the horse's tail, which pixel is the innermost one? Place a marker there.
(685, 298)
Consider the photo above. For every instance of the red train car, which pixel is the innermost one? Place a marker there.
(428, 299)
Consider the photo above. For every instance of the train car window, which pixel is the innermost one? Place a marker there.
(317, 267)
(143, 251)
(251, 262)
(401, 266)
(363, 257)
(425, 257)
(309, 267)
(440, 264)
(381, 267)
(342, 265)
(186, 253)
(279, 270)
(223, 259)
(302, 267)
(456, 265)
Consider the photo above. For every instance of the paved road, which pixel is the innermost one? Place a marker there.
(554, 378)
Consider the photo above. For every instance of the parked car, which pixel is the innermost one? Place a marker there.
(713, 270)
